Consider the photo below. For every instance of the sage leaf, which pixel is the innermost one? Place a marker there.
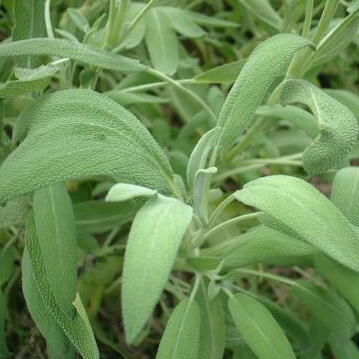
(338, 126)
(259, 329)
(212, 333)
(328, 308)
(80, 133)
(210, 21)
(267, 62)
(81, 53)
(161, 41)
(58, 346)
(226, 73)
(153, 242)
(347, 350)
(56, 233)
(38, 80)
(99, 216)
(14, 212)
(298, 207)
(267, 245)
(121, 192)
(263, 11)
(75, 327)
(347, 98)
(29, 16)
(181, 21)
(181, 337)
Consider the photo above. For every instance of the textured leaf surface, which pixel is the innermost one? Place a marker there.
(58, 346)
(63, 48)
(338, 126)
(259, 329)
(75, 327)
(14, 212)
(161, 41)
(56, 233)
(80, 133)
(154, 239)
(267, 62)
(181, 337)
(306, 213)
(267, 245)
(212, 333)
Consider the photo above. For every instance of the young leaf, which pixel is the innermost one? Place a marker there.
(267, 245)
(121, 192)
(38, 80)
(153, 242)
(226, 73)
(76, 326)
(161, 41)
(338, 126)
(212, 333)
(259, 329)
(57, 342)
(299, 208)
(181, 337)
(83, 54)
(267, 62)
(56, 233)
(77, 133)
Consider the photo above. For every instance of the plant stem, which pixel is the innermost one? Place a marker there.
(220, 208)
(185, 90)
(308, 18)
(50, 33)
(228, 223)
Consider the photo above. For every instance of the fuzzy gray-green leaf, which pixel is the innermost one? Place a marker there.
(153, 242)
(80, 133)
(338, 126)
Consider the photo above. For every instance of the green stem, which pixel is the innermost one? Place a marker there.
(185, 90)
(220, 208)
(308, 18)
(50, 33)
(228, 223)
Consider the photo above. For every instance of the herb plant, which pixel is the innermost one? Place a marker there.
(178, 179)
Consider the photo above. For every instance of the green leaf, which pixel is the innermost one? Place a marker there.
(299, 208)
(211, 21)
(99, 216)
(328, 308)
(263, 10)
(29, 16)
(181, 22)
(347, 98)
(153, 242)
(83, 54)
(181, 337)
(345, 193)
(267, 245)
(58, 346)
(14, 212)
(121, 192)
(254, 83)
(75, 327)
(56, 233)
(212, 333)
(199, 156)
(134, 98)
(347, 350)
(259, 329)
(336, 40)
(80, 133)
(161, 41)
(338, 126)
(226, 73)
(294, 115)
(38, 80)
